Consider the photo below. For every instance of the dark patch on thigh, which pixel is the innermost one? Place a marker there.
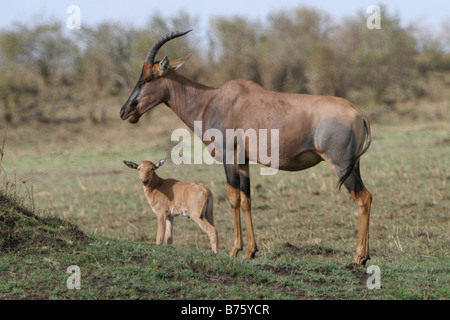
(337, 141)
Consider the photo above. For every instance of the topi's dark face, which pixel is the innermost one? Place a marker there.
(148, 93)
(151, 89)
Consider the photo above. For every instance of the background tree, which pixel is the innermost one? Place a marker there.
(301, 43)
(34, 59)
(45, 72)
(235, 42)
(383, 59)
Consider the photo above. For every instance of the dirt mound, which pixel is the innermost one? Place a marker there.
(20, 227)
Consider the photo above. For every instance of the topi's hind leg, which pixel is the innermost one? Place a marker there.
(363, 199)
(341, 146)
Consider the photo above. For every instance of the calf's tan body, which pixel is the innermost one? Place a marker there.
(169, 198)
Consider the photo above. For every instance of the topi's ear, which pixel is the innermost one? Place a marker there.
(130, 164)
(175, 64)
(164, 65)
(160, 163)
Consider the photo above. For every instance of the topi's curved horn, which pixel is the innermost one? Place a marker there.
(150, 58)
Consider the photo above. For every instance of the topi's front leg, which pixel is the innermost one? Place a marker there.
(235, 200)
(246, 206)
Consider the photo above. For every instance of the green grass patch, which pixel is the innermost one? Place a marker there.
(305, 230)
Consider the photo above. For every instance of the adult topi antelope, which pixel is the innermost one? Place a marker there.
(311, 128)
(169, 198)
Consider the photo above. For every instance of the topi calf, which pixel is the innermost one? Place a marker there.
(169, 198)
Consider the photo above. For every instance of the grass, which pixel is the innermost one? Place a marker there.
(37, 251)
(305, 229)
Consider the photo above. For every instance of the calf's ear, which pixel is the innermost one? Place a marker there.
(130, 164)
(160, 163)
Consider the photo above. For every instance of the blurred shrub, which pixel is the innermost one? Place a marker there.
(304, 50)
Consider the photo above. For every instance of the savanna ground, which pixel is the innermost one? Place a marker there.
(68, 199)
